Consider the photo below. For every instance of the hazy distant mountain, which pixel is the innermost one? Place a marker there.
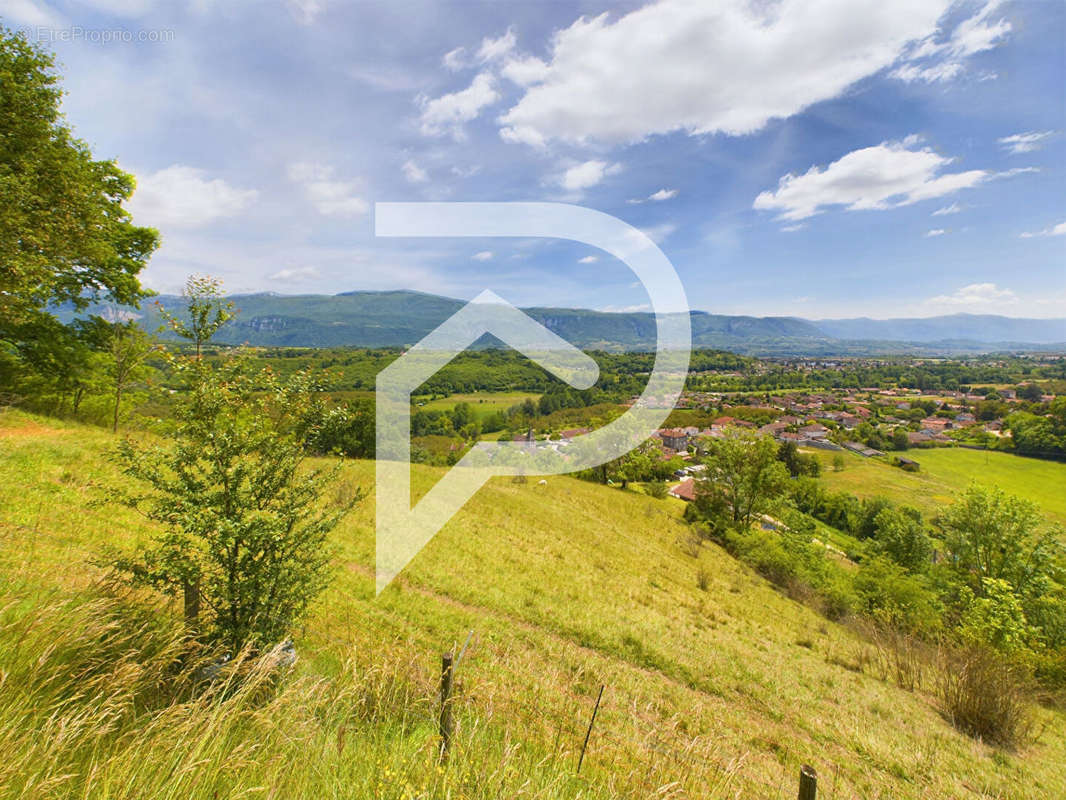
(971, 327)
(400, 318)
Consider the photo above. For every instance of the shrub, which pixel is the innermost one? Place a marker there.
(657, 489)
(987, 696)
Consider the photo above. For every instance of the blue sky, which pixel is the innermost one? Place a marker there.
(816, 158)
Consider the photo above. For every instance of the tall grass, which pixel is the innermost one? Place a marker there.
(99, 701)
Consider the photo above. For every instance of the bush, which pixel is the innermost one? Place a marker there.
(987, 696)
(657, 489)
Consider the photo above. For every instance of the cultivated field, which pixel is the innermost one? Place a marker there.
(567, 587)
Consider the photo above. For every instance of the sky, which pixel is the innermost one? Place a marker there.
(810, 158)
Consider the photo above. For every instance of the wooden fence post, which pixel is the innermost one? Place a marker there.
(446, 675)
(808, 783)
(588, 733)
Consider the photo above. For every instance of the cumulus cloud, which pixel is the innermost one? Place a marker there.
(525, 71)
(295, 274)
(495, 49)
(726, 67)
(934, 232)
(448, 113)
(328, 196)
(484, 255)
(1054, 230)
(1024, 142)
(414, 173)
(588, 260)
(887, 175)
(184, 197)
(975, 297)
(586, 175)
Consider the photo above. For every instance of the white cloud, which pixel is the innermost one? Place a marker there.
(448, 113)
(975, 297)
(586, 175)
(588, 260)
(954, 208)
(525, 71)
(295, 274)
(455, 60)
(700, 67)
(414, 173)
(662, 194)
(934, 232)
(484, 255)
(495, 49)
(935, 61)
(1024, 142)
(330, 197)
(1055, 230)
(184, 197)
(887, 175)
(792, 228)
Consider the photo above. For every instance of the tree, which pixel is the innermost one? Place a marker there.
(243, 529)
(990, 534)
(903, 538)
(206, 309)
(900, 441)
(744, 473)
(127, 348)
(64, 235)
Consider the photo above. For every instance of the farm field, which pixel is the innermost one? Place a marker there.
(566, 587)
(481, 403)
(947, 471)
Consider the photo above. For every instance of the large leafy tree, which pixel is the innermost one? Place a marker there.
(64, 235)
(744, 478)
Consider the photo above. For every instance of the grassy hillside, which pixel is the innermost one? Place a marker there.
(945, 472)
(711, 693)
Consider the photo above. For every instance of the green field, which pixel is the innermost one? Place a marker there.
(945, 472)
(481, 403)
(567, 587)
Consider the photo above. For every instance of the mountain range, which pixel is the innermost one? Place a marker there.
(401, 318)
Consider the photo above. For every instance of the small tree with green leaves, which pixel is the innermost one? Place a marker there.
(128, 346)
(207, 310)
(242, 528)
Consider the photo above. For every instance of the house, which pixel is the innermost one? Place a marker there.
(815, 431)
(674, 439)
(936, 424)
(686, 490)
(849, 420)
(573, 433)
(773, 428)
(919, 437)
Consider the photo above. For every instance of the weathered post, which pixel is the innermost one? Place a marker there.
(446, 674)
(808, 783)
(588, 733)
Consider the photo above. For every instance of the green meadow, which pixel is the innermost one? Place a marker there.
(944, 472)
(482, 404)
(566, 587)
